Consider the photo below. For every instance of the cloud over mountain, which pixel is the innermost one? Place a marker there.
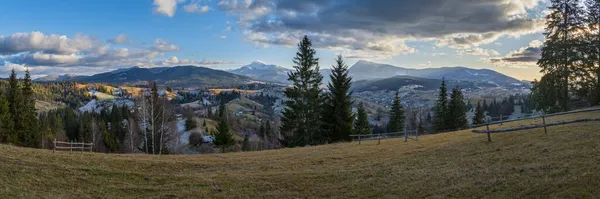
(382, 27)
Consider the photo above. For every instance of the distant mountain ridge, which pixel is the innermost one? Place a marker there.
(365, 70)
(171, 76)
(262, 71)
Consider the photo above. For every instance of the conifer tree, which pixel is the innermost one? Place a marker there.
(301, 121)
(246, 143)
(337, 108)
(396, 123)
(28, 113)
(560, 52)
(223, 137)
(6, 123)
(361, 125)
(261, 131)
(441, 109)
(479, 117)
(14, 103)
(592, 18)
(457, 111)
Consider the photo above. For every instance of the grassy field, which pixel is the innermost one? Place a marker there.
(565, 163)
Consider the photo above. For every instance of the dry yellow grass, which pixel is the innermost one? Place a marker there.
(564, 163)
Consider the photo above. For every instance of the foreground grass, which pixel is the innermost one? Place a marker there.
(561, 164)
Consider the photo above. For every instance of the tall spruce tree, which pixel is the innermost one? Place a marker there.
(441, 109)
(361, 125)
(592, 19)
(301, 121)
(479, 117)
(337, 108)
(6, 123)
(561, 50)
(14, 103)
(457, 111)
(396, 123)
(28, 113)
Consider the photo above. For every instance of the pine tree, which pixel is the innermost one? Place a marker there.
(261, 131)
(479, 117)
(396, 123)
(457, 111)
(301, 121)
(246, 143)
(14, 104)
(592, 62)
(560, 52)
(28, 122)
(6, 123)
(441, 109)
(223, 138)
(361, 125)
(337, 108)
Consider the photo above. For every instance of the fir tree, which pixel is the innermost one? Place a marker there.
(28, 113)
(223, 138)
(479, 117)
(592, 18)
(396, 123)
(560, 53)
(337, 109)
(301, 121)
(441, 109)
(6, 123)
(261, 131)
(246, 143)
(457, 111)
(14, 104)
(361, 125)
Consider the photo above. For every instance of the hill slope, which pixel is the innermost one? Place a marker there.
(525, 164)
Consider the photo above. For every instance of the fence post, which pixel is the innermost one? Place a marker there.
(405, 136)
(54, 148)
(544, 120)
(82, 146)
(501, 119)
(71, 146)
(417, 134)
(378, 138)
(359, 138)
(488, 129)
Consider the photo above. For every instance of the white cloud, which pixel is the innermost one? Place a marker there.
(195, 7)
(166, 7)
(37, 41)
(163, 46)
(478, 52)
(223, 37)
(120, 39)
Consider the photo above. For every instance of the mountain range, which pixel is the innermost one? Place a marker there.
(171, 76)
(365, 70)
(366, 75)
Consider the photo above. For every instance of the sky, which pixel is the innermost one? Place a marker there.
(51, 37)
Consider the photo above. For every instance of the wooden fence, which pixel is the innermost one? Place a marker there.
(387, 135)
(487, 125)
(543, 125)
(73, 146)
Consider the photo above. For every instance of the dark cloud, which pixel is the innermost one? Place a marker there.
(359, 24)
(524, 56)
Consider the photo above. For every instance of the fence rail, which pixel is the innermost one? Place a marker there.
(385, 136)
(78, 146)
(543, 125)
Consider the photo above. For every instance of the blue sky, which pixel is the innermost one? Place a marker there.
(85, 37)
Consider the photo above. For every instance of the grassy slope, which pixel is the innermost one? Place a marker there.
(560, 164)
